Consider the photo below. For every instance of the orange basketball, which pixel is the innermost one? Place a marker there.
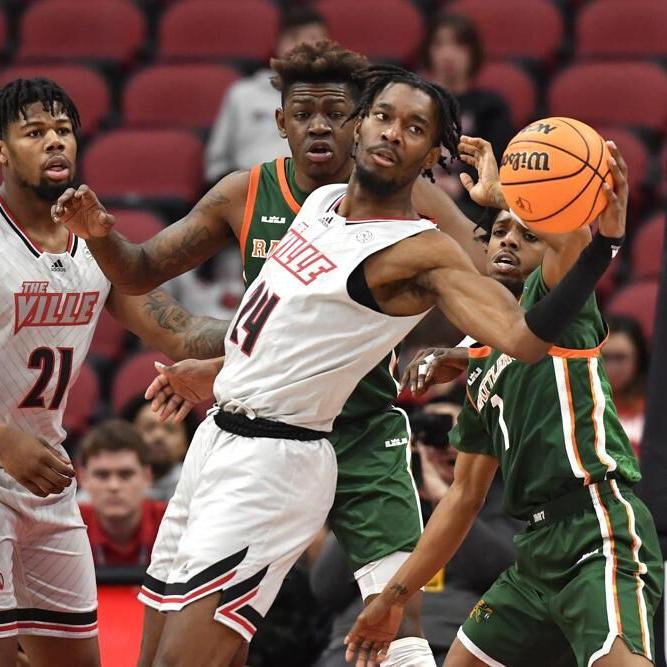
(552, 174)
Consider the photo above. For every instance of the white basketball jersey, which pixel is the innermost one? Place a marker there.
(50, 306)
(299, 344)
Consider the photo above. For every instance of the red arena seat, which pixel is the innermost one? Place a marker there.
(637, 300)
(134, 165)
(82, 401)
(109, 338)
(105, 30)
(514, 85)
(85, 86)
(133, 377)
(186, 96)
(211, 30)
(380, 29)
(647, 248)
(622, 29)
(627, 93)
(531, 29)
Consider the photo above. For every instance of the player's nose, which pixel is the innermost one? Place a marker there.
(319, 125)
(53, 141)
(391, 133)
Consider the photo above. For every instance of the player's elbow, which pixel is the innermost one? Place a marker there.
(526, 346)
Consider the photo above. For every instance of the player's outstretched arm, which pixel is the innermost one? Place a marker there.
(138, 268)
(377, 625)
(164, 325)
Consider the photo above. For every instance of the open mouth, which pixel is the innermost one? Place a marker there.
(506, 262)
(57, 169)
(319, 151)
(384, 157)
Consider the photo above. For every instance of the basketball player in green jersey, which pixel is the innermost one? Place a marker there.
(588, 574)
(376, 514)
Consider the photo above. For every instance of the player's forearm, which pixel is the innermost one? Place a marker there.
(443, 535)
(125, 264)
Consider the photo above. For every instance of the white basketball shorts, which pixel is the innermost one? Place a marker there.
(47, 577)
(243, 512)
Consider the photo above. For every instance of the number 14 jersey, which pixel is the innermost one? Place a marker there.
(50, 305)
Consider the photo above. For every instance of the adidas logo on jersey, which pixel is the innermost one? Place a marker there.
(273, 220)
(58, 266)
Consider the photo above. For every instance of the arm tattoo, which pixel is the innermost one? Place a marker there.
(202, 337)
(398, 590)
(196, 242)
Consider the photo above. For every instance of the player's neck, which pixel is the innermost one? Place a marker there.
(307, 184)
(121, 531)
(361, 204)
(32, 212)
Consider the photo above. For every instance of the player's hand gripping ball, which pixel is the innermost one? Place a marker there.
(552, 173)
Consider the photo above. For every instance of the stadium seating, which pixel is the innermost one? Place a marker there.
(381, 29)
(135, 225)
(514, 85)
(82, 402)
(647, 248)
(103, 30)
(637, 300)
(622, 29)
(624, 93)
(636, 157)
(186, 96)
(135, 166)
(3, 33)
(531, 29)
(133, 377)
(211, 30)
(109, 340)
(87, 88)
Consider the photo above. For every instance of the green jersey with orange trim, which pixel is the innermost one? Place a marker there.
(273, 201)
(552, 425)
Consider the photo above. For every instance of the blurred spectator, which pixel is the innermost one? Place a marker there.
(166, 444)
(245, 131)
(122, 523)
(452, 593)
(626, 362)
(453, 55)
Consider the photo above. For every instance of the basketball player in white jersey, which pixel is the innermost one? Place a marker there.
(52, 293)
(355, 272)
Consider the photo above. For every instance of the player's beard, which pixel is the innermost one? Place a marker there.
(514, 285)
(373, 184)
(48, 191)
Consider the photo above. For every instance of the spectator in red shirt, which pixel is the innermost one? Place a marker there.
(122, 523)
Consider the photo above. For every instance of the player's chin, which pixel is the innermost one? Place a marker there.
(513, 280)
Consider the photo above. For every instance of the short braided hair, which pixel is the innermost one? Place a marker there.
(376, 78)
(19, 94)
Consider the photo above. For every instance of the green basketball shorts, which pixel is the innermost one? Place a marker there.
(577, 585)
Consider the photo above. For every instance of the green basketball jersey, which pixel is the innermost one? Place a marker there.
(273, 201)
(552, 425)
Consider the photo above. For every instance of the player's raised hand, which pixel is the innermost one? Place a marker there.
(81, 211)
(375, 628)
(180, 386)
(35, 465)
(612, 219)
(434, 365)
(478, 153)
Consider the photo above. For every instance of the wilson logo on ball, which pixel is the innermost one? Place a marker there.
(543, 128)
(533, 161)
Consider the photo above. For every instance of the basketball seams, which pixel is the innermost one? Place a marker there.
(588, 193)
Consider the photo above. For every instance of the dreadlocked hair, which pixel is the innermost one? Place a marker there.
(374, 79)
(18, 95)
(322, 62)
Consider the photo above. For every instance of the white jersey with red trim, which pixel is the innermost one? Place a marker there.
(51, 304)
(300, 343)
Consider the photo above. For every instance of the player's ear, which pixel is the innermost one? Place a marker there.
(432, 158)
(280, 122)
(3, 153)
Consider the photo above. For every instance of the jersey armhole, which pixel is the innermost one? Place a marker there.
(251, 198)
(359, 291)
(284, 186)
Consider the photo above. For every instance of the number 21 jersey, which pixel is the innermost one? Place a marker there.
(50, 304)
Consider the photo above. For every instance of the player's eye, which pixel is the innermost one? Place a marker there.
(381, 115)
(34, 133)
(415, 129)
(64, 131)
(337, 115)
(301, 115)
(531, 238)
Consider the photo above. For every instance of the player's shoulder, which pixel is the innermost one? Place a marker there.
(324, 197)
